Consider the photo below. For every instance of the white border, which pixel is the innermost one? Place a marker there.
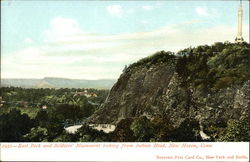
(103, 151)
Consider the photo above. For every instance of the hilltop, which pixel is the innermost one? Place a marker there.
(207, 84)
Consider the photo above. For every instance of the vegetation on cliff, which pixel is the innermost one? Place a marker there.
(208, 67)
(204, 86)
(215, 67)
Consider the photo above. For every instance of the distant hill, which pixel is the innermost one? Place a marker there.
(50, 82)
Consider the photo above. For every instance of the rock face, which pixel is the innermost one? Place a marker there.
(138, 91)
(150, 89)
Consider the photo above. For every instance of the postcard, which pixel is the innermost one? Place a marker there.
(124, 80)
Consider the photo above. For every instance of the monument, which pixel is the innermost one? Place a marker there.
(239, 38)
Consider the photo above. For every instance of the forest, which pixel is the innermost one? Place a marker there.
(41, 114)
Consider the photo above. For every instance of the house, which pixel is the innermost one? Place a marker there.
(86, 94)
(1, 101)
(44, 107)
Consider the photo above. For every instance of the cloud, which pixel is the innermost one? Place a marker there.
(95, 56)
(62, 28)
(201, 11)
(115, 10)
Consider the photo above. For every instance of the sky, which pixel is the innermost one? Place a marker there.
(96, 39)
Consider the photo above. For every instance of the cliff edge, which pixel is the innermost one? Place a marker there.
(208, 83)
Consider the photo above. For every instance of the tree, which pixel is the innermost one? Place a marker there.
(87, 110)
(65, 111)
(14, 125)
(142, 129)
(122, 132)
(87, 134)
(162, 129)
(181, 67)
(188, 131)
(42, 118)
(237, 131)
(125, 69)
(65, 137)
(37, 134)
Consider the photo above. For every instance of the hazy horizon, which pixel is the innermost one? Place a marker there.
(60, 78)
(95, 40)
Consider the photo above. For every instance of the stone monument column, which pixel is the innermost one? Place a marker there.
(239, 37)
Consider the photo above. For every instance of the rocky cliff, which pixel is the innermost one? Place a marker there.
(189, 84)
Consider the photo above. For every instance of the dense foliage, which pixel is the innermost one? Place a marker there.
(234, 131)
(214, 67)
(161, 56)
(14, 125)
(41, 114)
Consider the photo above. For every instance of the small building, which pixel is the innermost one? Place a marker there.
(86, 94)
(44, 107)
(1, 101)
